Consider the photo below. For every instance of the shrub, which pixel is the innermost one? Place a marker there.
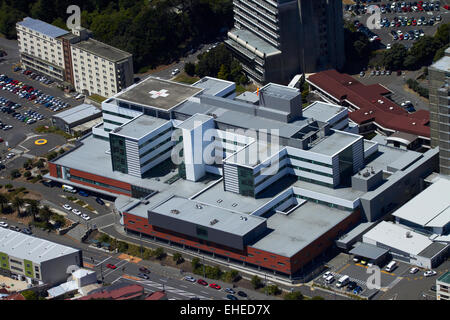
(30, 295)
(159, 253)
(256, 282)
(178, 258)
(8, 186)
(296, 295)
(273, 290)
(27, 174)
(195, 263)
(15, 174)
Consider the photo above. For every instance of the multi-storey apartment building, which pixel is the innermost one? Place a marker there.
(90, 66)
(443, 287)
(276, 39)
(439, 75)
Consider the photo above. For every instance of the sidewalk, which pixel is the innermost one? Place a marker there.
(306, 289)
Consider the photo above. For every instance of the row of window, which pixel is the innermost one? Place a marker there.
(155, 147)
(155, 137)
(118, 114)
(98, 183)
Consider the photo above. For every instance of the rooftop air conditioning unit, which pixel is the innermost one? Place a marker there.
(408, 234)
(198, 206)
(174, 211)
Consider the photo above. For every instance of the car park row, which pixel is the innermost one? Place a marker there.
(31, 94)
(364, 7)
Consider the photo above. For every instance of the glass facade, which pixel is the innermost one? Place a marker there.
(246, 181)
(118, 153)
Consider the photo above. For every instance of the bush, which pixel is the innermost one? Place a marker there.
(296, 295)
(104, 238)
(15, 174)
(189, 68)
(27, 174)
(256, 282)
(195, 263)
(178, 258)
(122, 246)
(30, 295)
(273, 290)
(8, 186)
(159, 253)
(40, 164)
(231, 276)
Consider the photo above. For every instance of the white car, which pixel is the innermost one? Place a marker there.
(326, 274)
(189, 278)
(3, 224)
(10, 155)
(67, 207)
(85, 217)
(429, 273)
(76, 211)
(413, 270)
(175, 72)
(388, 46)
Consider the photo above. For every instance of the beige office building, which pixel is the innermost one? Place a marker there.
(90, 66)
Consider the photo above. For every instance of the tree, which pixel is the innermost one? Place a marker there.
(45, 214)
(256, 282)
(18, 204)
(189, 68)
(393, 58)
(177, 257)
(273, 290)
(195, 263)
(27, 174)
(159, 253)
(3, 201)
(223, 73)
(30, 295)
(295, 295)
(15, 174)
(33, 209)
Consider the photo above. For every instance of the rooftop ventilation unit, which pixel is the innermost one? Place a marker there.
(219, 201)
(213, 222)
(366, 174)
(234, 205)
(117, 129)
(408, 234)
(198, 206)
(174, 211)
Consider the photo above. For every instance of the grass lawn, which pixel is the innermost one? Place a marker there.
(184, 78)
(97, 98)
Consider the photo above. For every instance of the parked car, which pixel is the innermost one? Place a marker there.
(202, 282)
(76, 211)
(242, 294)
(111, 266)
(3, 224)
(215, 286)
(357, 290)
(189, 278)
(429, 273)
(231, 297)
(351, 285)
(83, 193)
(85, 217)
(67, 207)
(99, 201)
(413, 270)
(144, 270)
(143, 276)
(26, 231)
(229, 290)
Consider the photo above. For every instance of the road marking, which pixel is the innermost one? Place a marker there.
(343, 268)
(163, 280)
(183, 286)
(102, 261)
(118, 266)
(130, 277)
(88, 265)
(204, 292)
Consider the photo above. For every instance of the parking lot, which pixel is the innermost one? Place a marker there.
(400, 283)
(402, 21)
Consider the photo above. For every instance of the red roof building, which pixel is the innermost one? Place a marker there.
(369, 104)
(127, 292)
(158, 295)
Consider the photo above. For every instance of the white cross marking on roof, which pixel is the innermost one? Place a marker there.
(156, 94)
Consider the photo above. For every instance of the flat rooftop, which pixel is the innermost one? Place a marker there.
(78, 113)
(445, 278)
(194, 121)
(93, 157)
(102, 50)
(213, 86)
(394, 235)
(442, 64)
(254, 41)
(368, 250)
(335, 143)
(279, 91)
(293, 232)
(430, 208)
(254, 153)
(157, 93)
(201, 214)
(322, 111)
(140, 126)
(216, 196)
(42, 27)
(385, 156)
(17, 244)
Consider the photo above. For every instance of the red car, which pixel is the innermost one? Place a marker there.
(447, 7)
(111, 266)
(202, 282)
(215, 286)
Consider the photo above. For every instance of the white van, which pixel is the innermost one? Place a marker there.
(329, 279)
(69, 188)
(391, 266)
(343, 281)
